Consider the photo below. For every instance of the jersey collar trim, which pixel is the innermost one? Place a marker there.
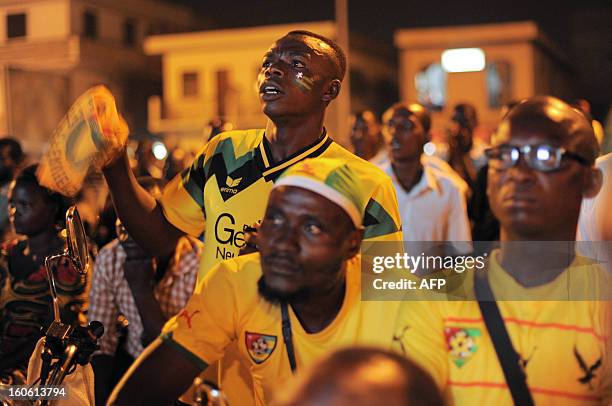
(273, 169)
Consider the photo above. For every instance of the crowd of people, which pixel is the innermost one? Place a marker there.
(245, 266)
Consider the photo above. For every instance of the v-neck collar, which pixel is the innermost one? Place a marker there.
(271, 169)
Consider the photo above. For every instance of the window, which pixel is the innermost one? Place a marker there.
(129, 32)
(499, 83)
(15, 25)
(190, 84)
(90, 25)
(430, 84)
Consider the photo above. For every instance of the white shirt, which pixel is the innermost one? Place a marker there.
(381, 159)
(592, 215)
(435, 209)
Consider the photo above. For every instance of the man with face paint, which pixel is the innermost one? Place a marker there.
(225, 190)
(432, 200)
(554, 304)
(296, 299)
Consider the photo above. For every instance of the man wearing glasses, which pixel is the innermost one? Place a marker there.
(551, 306)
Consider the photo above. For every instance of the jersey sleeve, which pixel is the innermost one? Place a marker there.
(207, 325)
(382, 219)
(419, 334)
(183, 198)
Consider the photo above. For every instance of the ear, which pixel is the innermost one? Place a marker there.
(593, 182)
(332, 91)
(353, 242)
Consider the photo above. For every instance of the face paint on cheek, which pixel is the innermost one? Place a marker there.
(304, 82)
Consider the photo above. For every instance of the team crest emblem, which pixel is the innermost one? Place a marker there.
(462, 343)
(259, 346)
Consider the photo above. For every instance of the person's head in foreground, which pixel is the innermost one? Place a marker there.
(407, 126)
(366, 135)
(363, 376)
(311, 227)
(300, 75)
(540, 168)
(311, 231)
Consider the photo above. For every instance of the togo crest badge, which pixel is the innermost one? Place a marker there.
(462, 343)
(259, 346)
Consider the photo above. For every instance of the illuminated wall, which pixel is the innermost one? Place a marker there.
(50, 52)
(527, 61)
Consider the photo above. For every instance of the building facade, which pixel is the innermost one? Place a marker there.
(53, 50)
(212, 74)
(512, 61)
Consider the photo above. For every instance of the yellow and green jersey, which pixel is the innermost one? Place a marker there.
(227, 187)
(227, 311)
(565, 346)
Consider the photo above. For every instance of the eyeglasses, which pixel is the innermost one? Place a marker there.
(544, 158)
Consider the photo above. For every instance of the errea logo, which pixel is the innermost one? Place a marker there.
(231, 184)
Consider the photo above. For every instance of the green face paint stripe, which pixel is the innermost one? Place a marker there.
(304, 82)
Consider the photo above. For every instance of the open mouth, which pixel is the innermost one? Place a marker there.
(271, 90)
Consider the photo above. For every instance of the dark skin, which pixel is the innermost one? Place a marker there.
(406, 145)
(460, 144)
(139, 271)
(302, 70)
(365, 135)
(7, 165)
(303, 255)
(539, 206)
(305, 241)
(33, 216)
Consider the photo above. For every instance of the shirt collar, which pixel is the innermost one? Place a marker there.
(271, 170)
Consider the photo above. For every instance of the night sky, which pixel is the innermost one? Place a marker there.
(381, 17)
(582, 28)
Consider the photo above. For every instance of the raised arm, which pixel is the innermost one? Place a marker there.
(145, 383)
(140, 213)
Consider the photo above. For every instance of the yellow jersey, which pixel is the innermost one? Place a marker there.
(565, 346)
(227, 309)
(227, 187)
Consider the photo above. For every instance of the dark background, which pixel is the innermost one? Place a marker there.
(583, 29)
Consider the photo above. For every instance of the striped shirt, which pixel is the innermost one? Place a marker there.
(111, 295)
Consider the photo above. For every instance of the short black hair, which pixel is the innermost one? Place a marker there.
(27, 176)
(339, 55)
(568, 124)
(465, 114)
(14, 146)
(414, 109)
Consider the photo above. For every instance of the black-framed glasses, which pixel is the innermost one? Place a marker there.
(544, 158)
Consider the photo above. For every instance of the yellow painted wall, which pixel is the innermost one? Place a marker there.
(44, 19)
(470, 86)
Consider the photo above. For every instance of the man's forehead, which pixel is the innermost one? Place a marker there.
(539, 132)
(300, 44)
(403, 114)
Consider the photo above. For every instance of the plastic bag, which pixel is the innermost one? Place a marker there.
(92, 134)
